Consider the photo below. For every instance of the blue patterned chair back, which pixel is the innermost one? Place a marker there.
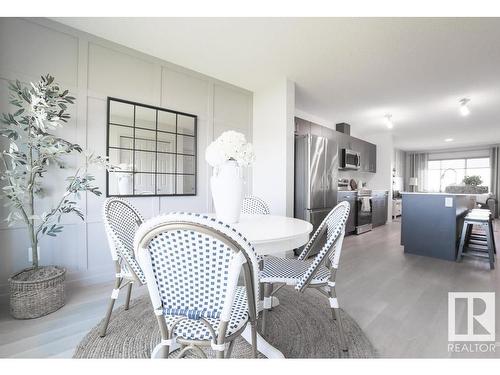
(334, 226)
(192, 263)
(254, 205)
(121, 221)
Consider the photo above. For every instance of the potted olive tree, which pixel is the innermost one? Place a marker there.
(31, 150)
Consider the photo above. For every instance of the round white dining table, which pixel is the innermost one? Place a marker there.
(273, 234)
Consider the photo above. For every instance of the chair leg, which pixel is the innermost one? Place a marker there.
(254, 339)
(219, 354)
(229, 350)
(114, 296)
(491, 254)
(195, 349)
(268, 287)
(164, 351)
(334, 305)
(492, 233)
(129, 292)
(463, 237)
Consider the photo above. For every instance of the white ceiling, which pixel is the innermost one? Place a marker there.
(351, 70)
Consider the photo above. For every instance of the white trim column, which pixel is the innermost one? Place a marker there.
(273, 140)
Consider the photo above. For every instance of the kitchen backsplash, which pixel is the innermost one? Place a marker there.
(358, 176)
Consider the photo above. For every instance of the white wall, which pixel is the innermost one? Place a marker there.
(273, 139)
(92, 69)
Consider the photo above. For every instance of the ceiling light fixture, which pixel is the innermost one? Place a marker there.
(464, 109)
(448, 140)
(388, 121)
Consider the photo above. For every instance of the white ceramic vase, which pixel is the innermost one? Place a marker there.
(227, 191)
(125, 184)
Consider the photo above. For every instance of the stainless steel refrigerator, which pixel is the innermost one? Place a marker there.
(316, 177)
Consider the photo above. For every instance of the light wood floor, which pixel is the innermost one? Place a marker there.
(399, 300)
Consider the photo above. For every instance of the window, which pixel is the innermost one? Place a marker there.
(447, 172)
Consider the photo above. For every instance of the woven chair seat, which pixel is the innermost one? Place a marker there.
(290, 271)
(195, 329)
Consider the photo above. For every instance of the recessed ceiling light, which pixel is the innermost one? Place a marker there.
(448, 140)
(388, 121)
(464, 109)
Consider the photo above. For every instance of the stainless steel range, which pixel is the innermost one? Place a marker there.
(364, 208)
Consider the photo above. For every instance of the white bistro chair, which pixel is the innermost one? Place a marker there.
(121, 221)
(192, 264)
(254, 205)
(318, 272)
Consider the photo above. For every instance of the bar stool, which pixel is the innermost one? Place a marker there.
(477, 237)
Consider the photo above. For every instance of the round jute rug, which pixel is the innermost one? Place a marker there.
(300, 327)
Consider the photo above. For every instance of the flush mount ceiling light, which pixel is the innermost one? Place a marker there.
(388, 121)
(448, 140)
(464, 109)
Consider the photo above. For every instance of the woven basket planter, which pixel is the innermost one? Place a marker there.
(35, 298)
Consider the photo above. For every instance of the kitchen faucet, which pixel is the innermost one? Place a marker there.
(442, 177)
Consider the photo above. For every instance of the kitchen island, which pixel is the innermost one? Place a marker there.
(431, 223)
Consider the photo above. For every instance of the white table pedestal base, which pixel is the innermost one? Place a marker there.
(154, 354)
(262, 345)
(275, 302)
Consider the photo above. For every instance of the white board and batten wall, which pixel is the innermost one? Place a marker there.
(93, 69)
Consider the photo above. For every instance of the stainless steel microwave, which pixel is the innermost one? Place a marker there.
(350, 159)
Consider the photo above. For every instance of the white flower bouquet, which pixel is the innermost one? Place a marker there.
(230, 145)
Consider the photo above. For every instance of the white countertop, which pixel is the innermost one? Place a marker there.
(355, 191)
(431, 193)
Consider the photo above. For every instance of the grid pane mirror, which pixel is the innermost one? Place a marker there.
(154, 148)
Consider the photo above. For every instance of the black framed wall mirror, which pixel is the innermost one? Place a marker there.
(155, 150)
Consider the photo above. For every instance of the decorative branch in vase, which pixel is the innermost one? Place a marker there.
(228, 154)
(32, 151)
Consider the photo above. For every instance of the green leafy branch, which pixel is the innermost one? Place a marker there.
(40, 108)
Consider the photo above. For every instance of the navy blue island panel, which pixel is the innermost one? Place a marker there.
(431, 223)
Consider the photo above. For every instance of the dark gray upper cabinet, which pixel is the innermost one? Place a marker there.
(302, 127)
(372, 157)
(368, 156)
(367, 151)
